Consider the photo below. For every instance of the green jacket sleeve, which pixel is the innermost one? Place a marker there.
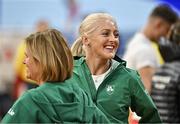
(92, 110)
(142, 103)
(20, 112)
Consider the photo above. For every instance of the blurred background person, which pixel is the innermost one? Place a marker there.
(6, 79)
(142, 51)
(166, 81)
(140, 54)
(21, 82)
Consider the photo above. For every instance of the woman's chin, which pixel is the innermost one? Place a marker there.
(29, 77)
(110, 55)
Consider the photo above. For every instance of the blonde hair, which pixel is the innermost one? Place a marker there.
(77, 48)
(50, 49)
(89, 25)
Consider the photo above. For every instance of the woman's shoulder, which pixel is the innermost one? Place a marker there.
(132, 72)
(24, 100)
(120, 65)
(122, 71)
(26, 95)
(34, 95)
(50, 91)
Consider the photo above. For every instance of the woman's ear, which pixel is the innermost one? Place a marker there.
(85, 40)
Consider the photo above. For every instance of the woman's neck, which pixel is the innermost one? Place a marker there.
(40, 82)
(98, 66)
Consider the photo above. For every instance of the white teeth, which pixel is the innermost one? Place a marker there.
(109, 47)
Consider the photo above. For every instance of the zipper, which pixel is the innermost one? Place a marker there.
(106, 79)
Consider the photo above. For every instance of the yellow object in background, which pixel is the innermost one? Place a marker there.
(158, 54)
(20, 68)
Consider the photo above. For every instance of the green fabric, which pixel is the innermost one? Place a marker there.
(121, 89)
(55, 103)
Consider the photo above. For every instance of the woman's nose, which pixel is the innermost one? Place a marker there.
(113, 38)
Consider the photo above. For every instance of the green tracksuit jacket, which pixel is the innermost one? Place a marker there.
(55, 103)
(121, 89)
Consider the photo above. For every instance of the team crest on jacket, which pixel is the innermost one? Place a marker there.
(11, 112)
(110, 89)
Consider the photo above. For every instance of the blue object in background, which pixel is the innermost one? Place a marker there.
(175, 3)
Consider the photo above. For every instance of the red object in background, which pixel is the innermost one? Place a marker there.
(73, 7)
(19, 87)
(8, 54)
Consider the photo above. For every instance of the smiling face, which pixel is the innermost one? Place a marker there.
(32, 67)
(104, 41)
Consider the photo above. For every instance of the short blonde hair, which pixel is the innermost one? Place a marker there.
(89, 25)
(50, 49)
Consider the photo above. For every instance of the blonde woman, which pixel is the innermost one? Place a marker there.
(112, 86)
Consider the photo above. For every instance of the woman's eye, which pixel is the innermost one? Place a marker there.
(105, 33)
(116, 34)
